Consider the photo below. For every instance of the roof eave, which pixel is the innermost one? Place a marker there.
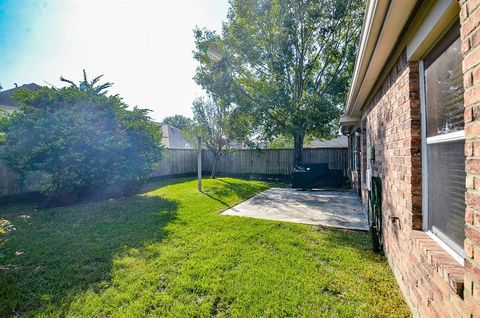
(383, 24)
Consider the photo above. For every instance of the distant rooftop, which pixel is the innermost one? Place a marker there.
(339, 142)
(6, 95)
(173, 138)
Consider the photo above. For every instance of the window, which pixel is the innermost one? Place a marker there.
(356, 151)
(443, 142)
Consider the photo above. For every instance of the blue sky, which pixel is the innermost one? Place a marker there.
(143, 46)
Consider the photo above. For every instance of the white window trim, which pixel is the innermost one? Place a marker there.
(454, 136)
(460, 258)
(458, 253)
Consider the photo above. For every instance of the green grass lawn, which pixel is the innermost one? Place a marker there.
(168, 252)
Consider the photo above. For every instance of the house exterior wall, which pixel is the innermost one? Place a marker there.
(470, 35)
(433, 283)
(391, 124)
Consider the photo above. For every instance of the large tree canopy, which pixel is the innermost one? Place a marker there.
(86, 142)
(286, 63)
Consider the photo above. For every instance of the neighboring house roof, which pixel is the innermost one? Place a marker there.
(339, 142)
(173, 138)
(6, 100)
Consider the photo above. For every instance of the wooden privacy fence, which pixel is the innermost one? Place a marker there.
(273, 162)
(278, 162)
(177, 162)
(8, 180)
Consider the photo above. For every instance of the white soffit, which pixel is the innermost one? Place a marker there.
(383, 25)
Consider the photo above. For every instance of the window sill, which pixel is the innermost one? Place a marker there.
(442, 262)
(460, 258)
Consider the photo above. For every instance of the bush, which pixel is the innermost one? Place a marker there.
(5, 228)
(87, 143)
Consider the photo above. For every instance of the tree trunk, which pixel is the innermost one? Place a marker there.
(214, 167)
(298, 149)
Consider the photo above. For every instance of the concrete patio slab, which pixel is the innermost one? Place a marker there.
(325, 208)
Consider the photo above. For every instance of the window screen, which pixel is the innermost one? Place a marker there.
(446, 189)
(444, 92)
(445, 156)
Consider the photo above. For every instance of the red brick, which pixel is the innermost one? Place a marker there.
(476, 112)
(471, 58)
(463, 12)
(473, 271)
(469, 213)
(468, 79)
(476, 216)
(468, 114)
(473, 235)
(474, 38)
(473, 307)
(472, 5)
(473, 198)
(451, 310)
(465, 47)
(471, 23)
(472, 129)
(469, 248)
(475, 74)
(472, 165)
(476, 147)
(476, 251)
(468, 148)
(472, 95)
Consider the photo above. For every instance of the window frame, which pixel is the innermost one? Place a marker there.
(456, 251)
(356, 151)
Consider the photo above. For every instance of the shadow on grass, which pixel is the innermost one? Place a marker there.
(358, 241)
(60, 252)
(160, 182)
(228, 189)
(243, 190)
(216, 199)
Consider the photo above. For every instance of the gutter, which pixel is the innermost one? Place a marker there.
(384, 22)
(371, 10)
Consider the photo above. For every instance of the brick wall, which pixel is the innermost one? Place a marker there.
(470, 35)
(430, 279)
(434, 284)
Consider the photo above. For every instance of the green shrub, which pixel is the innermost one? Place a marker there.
(87, 143)
(5, 228)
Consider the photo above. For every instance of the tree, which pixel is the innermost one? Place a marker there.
(287, 142)
(87, 143)
(179, 121)
(89, 86)
(286, 63)
(216, 125)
